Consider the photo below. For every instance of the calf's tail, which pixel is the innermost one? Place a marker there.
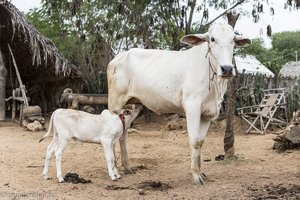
(50, 128)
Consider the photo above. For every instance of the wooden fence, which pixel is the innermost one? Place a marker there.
(249, 91)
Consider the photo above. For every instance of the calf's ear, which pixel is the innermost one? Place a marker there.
(194, 39)
(241, 41)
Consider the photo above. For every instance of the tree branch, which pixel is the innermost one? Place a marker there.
(202, 27)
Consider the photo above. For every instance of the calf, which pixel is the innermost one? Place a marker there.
(105, 128)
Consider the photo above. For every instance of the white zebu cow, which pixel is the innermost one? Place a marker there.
(106, 128)
(191, 81)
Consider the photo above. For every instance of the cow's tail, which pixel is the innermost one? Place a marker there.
(50, 128)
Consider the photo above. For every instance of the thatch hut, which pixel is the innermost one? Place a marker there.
(290, 69)
(44, 70)
(290, 79)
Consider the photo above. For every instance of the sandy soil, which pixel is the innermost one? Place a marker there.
(159, 151)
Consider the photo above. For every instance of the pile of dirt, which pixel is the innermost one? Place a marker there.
(290, 137)
(142, 187)
(272, 191)
(153, 185)
(178, 122)
(175, 122)
(220, 125)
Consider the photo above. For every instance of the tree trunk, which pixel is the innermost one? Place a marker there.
(2, 87)
(189, 23)
(231, 102)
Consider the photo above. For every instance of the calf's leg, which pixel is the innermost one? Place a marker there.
(110, 158)
(62, 143)
(49, 155)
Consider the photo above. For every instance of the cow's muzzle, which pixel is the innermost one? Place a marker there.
(227, 71)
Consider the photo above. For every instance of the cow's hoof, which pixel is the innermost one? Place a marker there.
(129, 171)
(118, 176)
(198, 181)
(204, 177)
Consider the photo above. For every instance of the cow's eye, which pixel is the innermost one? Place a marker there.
(212, 39)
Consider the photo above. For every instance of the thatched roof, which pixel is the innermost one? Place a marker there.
(36, 56)
(248, 64)
(290, 69)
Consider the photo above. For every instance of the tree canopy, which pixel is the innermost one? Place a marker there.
(91, 32)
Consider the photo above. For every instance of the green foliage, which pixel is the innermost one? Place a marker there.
(287, 43)
(122, 24)
(284, 46)
(256, 48)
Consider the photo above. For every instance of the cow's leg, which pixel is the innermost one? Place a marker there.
(197, 130)
(62, 143)
(49, 155)
(110, 158)
(124, 154)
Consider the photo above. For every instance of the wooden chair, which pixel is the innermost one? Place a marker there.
(259, 117)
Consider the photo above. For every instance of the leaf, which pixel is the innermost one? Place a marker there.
(269, 31)
(260, 8)
(272, 11)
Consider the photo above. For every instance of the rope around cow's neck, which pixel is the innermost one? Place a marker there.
(210, 78)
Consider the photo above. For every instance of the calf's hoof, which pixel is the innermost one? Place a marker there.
(46, 177)
(61, 180)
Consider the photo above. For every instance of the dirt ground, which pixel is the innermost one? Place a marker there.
(160, 154)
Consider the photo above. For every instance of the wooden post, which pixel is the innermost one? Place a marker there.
(13, 110)
(2, 87)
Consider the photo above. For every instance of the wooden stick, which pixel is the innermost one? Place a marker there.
(22, 87)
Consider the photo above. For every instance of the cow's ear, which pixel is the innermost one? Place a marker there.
(194, 39)
(241, 41)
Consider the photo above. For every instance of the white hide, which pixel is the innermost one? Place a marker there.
(106, 128)
(189, 81)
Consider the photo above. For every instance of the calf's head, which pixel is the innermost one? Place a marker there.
(130, 112)
(221, 40)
